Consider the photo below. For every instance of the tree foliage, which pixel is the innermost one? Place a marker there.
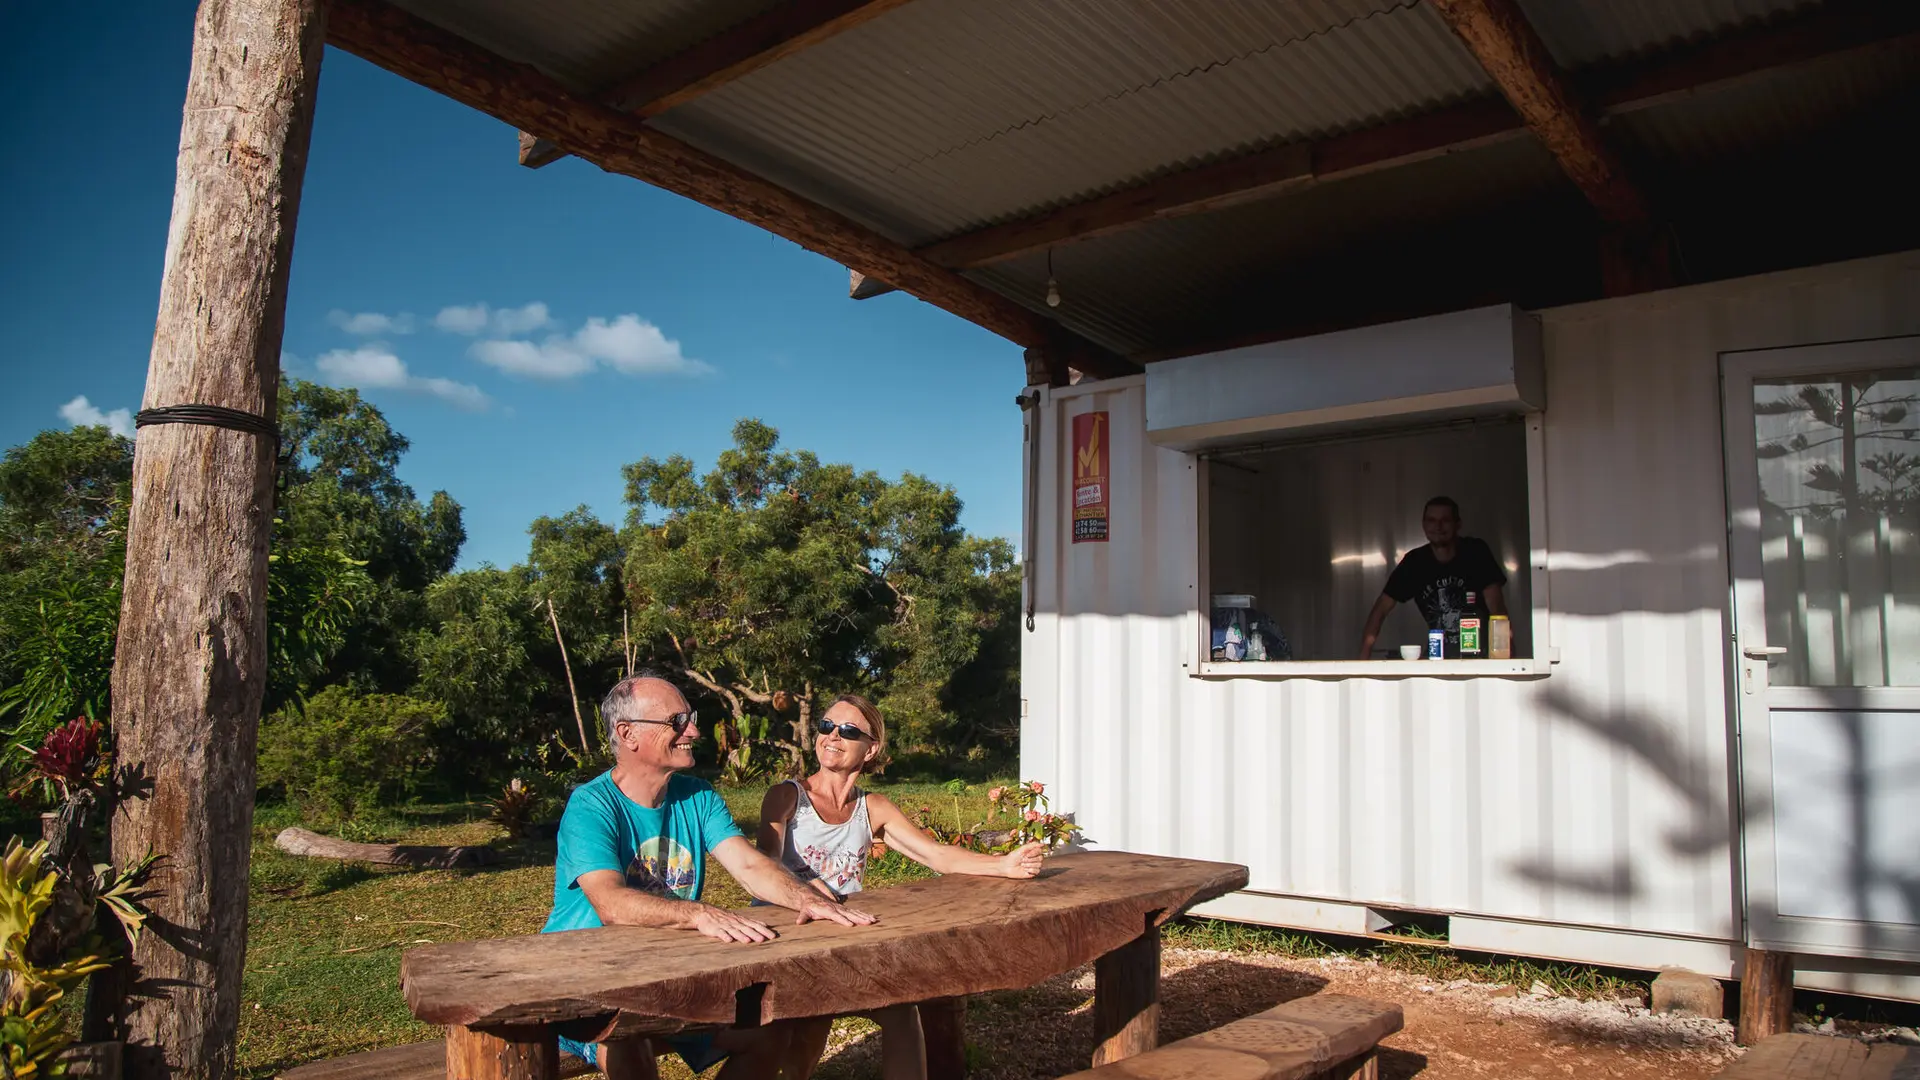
(777, 578)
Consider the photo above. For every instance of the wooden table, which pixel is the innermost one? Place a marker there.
(504, 1001)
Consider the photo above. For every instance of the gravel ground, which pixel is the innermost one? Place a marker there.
(1457, 1029)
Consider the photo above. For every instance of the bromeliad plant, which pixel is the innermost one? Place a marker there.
(72, 758)
(32, 1032)
(1033, 816)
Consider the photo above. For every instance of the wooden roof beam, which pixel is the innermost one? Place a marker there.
(1831, 29)
(762, 40)
(618, 142)
(1498, 35)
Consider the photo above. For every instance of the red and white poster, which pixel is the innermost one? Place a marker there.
(1090, 490)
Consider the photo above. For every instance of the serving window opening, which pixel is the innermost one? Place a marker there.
(1303, 537)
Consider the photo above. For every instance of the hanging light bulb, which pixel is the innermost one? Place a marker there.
(1053, 287)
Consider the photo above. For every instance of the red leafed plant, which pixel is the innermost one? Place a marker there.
(72, 756)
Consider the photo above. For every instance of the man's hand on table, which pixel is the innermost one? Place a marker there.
(832, 911)
(723, 925)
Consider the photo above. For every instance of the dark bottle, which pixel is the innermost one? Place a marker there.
(1473, 629)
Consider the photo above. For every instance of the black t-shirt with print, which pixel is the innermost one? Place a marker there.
(1440, 589)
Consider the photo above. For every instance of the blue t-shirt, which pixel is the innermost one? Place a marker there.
(662, 851)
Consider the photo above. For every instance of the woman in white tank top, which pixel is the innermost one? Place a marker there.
(823, 828)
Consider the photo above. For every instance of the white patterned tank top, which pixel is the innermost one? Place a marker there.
(835, 854)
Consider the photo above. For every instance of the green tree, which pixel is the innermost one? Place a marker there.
(776, 580)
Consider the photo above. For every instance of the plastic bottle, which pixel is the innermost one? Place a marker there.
(1500, 638)
(1472, 645)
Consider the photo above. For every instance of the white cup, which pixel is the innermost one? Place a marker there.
(1410, 652)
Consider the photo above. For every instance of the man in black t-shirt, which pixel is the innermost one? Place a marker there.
(1438, 576)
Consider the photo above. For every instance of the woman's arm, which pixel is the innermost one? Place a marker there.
(891, 825)
(776, 813)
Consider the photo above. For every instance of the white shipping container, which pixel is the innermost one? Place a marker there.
(1591, 812)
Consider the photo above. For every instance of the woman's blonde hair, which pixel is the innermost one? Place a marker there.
(875, 722)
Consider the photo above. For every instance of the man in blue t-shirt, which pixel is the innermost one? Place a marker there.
(632, 851)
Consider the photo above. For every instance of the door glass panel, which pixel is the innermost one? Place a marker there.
(1839, 462)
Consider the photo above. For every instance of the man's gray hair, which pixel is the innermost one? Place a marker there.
(619, 706)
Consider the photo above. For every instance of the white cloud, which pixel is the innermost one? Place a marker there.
(635, 346)
(522, 319)
(371, 323)
(83, 413)
(478, 318)
(374, 367)
(628, 344)
(556, 359)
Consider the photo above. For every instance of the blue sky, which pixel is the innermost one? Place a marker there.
(619, 321)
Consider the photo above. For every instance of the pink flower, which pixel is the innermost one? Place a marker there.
(1033, 815)
(1037, 787)
(996, 794)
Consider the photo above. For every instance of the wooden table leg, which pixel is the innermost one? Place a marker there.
(627, 1059)
(1126, 999)
(529, 1052)
(944, 1023)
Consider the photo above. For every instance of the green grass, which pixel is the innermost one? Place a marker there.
(325, 938)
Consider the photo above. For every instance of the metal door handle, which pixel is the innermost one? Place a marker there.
(1763, 652)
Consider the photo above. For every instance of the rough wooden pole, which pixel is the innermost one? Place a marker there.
(191, 662)
(1766, 996)
(1126, 999)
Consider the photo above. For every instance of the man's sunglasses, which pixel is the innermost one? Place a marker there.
(847, 731)
(679, 722)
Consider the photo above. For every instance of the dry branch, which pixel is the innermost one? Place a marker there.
(419, 856)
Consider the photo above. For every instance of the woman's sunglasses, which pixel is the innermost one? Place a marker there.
(847, 731)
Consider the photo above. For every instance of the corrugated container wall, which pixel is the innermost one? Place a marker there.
(1600, 795)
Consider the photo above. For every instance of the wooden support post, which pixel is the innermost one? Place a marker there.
(625, 1059)
(1126, 998)
(504, 1053)
(943, 1022)
(191, 661)
(1364, 1067)
(1766, 996)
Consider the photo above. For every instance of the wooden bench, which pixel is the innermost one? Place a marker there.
(1824, 1057)
(1325, 1035)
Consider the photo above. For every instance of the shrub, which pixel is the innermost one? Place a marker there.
(346, 750)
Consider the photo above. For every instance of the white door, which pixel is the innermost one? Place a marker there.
(1823, 485)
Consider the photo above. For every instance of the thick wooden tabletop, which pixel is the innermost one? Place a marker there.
(937, 938)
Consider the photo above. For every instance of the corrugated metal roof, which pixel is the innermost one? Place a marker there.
(1131, 290)
(949, 114)
(1762, 113)
(1582, 32)
(586, 44)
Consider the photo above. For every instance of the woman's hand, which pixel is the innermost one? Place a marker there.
(1024, 861)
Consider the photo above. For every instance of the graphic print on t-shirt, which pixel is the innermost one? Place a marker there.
(838, 869)
(1443, 601)
(663, 868)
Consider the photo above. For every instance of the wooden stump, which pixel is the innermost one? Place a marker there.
(1766, 996)
(505, 1053)
(943, 1022)
(190, 664)
(1126, 999)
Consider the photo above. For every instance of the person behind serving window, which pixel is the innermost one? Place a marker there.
(822, 829)
(1437, 577)
(632, 851)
